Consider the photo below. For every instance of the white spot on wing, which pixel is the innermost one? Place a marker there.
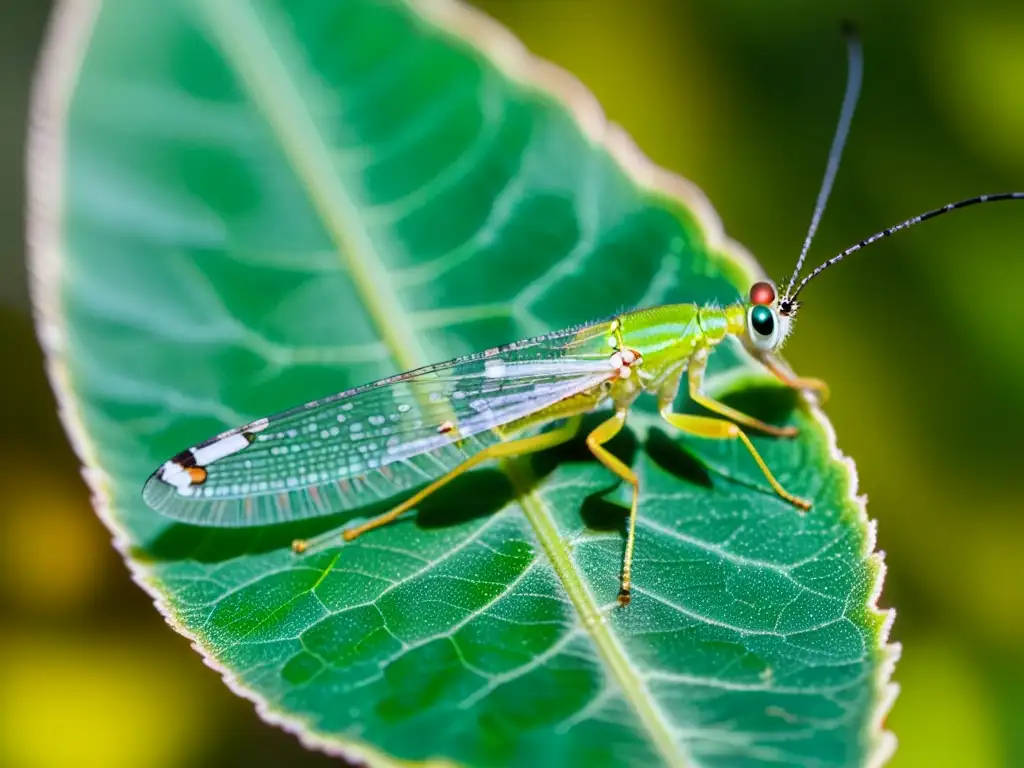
(174, 474)
(220, 449)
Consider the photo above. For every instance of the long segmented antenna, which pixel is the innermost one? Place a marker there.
(855, 68)
(788, 304)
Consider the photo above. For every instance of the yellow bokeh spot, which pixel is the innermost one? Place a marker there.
(943, 715)
(53, 549)
(993, 576)
(94, 702)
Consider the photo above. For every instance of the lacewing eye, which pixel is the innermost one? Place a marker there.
(762, 321)
(762, 293)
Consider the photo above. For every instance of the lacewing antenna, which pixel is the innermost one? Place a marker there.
(855, 74)
(789, 305)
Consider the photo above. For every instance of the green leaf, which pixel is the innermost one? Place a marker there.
(240, 206)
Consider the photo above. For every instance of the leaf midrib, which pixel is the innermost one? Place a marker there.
(248, 47)
(593, 619)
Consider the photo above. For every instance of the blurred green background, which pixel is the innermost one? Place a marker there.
(919, 338)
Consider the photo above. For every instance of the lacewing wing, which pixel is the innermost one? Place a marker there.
(372, 442)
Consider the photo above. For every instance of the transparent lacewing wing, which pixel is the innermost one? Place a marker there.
(377, 440)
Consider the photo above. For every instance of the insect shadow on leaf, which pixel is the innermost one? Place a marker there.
(686, 456)
(607, 508)
(181, 541)
(480, 493)
(768, 402)
(667, 453)
(477, 494)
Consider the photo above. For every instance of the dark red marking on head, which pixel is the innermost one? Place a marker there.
(762, 293)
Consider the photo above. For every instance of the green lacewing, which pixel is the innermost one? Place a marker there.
(414, 432)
